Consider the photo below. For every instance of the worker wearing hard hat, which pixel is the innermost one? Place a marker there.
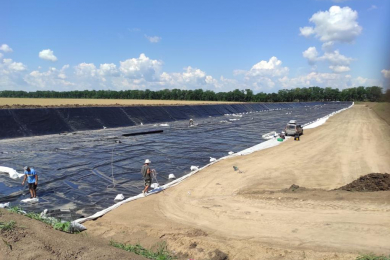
(145, 171)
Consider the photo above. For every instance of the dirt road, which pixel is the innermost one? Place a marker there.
(220, 212)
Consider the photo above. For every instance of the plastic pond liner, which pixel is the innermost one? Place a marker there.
(82, 172)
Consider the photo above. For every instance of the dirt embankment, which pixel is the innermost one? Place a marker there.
(31, 239)
(248, 215)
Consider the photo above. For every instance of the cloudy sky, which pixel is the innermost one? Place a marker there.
(217, 45)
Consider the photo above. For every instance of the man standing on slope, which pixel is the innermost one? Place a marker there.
(145, 171)
(32, 180)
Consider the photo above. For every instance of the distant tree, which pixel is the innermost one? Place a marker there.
(373, 93)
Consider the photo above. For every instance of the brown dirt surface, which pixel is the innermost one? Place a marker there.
(369, 182)
(32, 239)
(252, 215)
(18, 103)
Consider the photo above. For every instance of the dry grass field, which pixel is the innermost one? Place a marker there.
(381, 109)
(57, 102)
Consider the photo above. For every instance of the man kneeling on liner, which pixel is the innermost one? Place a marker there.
(32, 180)
(145, 171)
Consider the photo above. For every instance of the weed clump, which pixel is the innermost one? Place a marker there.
(373, 257)
(64, 226)
(160, 254)
(5, 226)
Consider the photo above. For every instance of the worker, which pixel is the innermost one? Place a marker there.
(191, 123)
(283, 135)
(146, 174)
(32, 179)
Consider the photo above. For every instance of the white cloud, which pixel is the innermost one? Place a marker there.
(337, 24)
(373, 7)
(333, 80)
(153, 39)
(360, 81)
(1, 55)
(51, 79)
(17, 66)
(5, 48)
(272, 67)
(336, 58)
(386, 73)
(327, 46)
(86, 70)
(262, 75)
(62, 74)
(339, 63)
(189, 78)
(339, 69)
(8, 64)
(47, 55)
(146, 73)
(141, 67)
(108, 69)
(311, 54)
(263, 84)
(306, 31)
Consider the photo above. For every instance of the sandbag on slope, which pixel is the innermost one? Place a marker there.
(13, 174)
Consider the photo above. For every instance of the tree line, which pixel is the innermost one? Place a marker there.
(374, 94)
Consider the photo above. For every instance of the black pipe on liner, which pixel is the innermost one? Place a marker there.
(144, 133)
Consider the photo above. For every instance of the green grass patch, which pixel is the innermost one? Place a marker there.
(15, 209)
(62, 226)
(373, 257)
(161, 252)
(57, 224)
(5, 226)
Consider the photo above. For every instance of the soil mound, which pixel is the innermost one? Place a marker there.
(295, 189)
(369, 182)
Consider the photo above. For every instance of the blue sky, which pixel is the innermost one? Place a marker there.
(217, 45)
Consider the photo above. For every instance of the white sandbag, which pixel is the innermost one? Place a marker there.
(171, 176)
(77, 226)
(154, 185)
(230, 153)
(4, 205)
(194, 168)
(13, 174)
(119, 197)
(212, 159)
(43, 214)
(33, 200)
(269, 135)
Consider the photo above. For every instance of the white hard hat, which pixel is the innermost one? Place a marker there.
(147, 161)
(25, 168)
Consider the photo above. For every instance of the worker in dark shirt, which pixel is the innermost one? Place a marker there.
(145, 171)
